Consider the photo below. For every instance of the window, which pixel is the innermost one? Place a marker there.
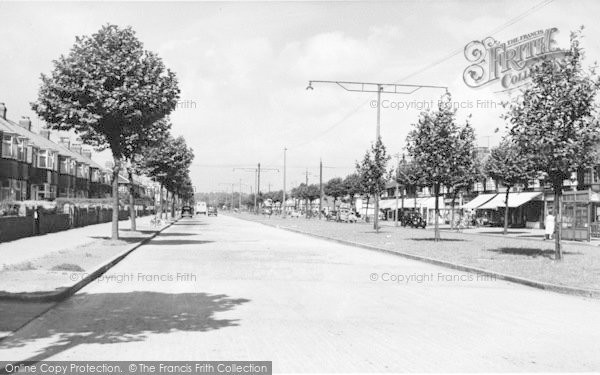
(11, 189)
(5, 189)
(43, 159)
(9, 146)
(52, 164)
(21, 153)
(34, 157)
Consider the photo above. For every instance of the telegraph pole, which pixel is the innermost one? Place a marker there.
(283, 213)
(390, 88)
(321, 188)
(256, 180)
(257, 189)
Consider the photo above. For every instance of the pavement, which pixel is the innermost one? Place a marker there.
(226, 289)
(30, 248)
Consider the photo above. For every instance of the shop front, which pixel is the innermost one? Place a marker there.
(580, 215)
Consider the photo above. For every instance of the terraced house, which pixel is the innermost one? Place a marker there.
(34, 167)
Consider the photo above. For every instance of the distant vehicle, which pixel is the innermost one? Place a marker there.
(267, 211)
(295, 214)
(201, 208)
(212, 211)
(187, 211)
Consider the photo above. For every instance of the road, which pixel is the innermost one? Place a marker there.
(226, 289)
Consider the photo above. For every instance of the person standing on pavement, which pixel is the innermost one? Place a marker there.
(549, 226)
(36, 220)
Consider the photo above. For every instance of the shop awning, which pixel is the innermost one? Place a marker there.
(514, 200)
(519, 199)
(429, 202)
(478, 201)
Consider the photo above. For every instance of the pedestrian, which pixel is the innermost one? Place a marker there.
(549, 226)
(36, 220)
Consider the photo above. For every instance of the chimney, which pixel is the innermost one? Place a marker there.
(65, 141)
(45, 133)
(76, 147)
(25, 122)
(3, 111)
(87, 153)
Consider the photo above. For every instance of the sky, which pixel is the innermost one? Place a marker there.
(243, 69)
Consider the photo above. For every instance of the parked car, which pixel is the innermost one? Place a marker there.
(212, 211)
(413, 219)
(267, 211)
(295, 214)
(187, 211)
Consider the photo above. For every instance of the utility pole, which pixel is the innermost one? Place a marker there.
(257, 189)
(320, 189)
(240, 201)
(283, 213)
(389, 88)
(256, 180)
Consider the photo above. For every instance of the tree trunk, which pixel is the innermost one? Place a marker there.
(452, 212)
(161, 202)
(376, 212)
(436, 213)
(173, 197)
(367, 210)
(557, 221)
(131, 199)
(115, 197)
(506, 210)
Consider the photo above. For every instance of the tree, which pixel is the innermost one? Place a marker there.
(335, 188)
(554, 123)
(407, 175)
(308, 193)
(168, 163)
(505, 164)
(108, 89)
(466, 168)
(133, 154)
(439, 147)
(352, 187)
(371, 172)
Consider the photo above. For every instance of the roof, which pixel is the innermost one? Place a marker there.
(35, 138)
(79, 157)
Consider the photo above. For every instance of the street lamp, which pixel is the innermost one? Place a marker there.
(379, 88)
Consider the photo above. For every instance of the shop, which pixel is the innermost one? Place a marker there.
(580, 215)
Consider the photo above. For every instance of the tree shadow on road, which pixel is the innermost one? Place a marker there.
(531, 252)
(121, 240)
(110, 318)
